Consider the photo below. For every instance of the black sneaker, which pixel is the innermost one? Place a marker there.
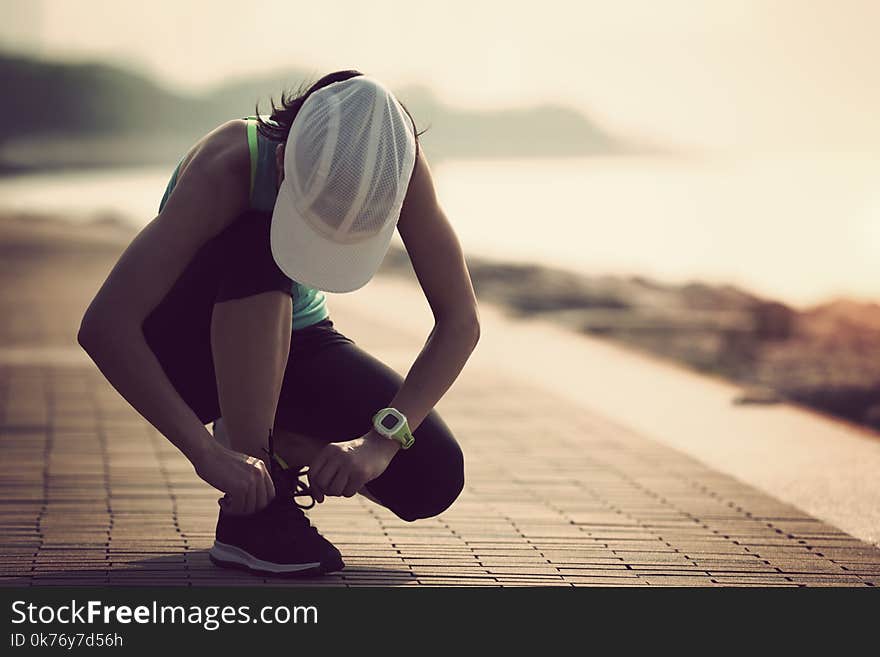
(279, 539)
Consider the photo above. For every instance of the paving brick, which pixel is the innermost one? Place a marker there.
(806, 566)
(93, 495)
(860, 568)
(737, 567)
(679, 580)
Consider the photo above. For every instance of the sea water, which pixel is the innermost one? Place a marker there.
(800, 228)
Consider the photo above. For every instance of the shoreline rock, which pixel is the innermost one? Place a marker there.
(826, 357)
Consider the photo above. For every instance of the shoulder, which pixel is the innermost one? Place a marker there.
(213, 182)
(222, 155)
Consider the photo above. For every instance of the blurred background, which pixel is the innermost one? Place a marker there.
(694, 179)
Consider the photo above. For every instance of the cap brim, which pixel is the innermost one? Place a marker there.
(315, 261)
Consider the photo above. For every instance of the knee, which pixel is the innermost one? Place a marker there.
(438, 492)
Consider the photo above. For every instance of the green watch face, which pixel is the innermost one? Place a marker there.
(395, 428)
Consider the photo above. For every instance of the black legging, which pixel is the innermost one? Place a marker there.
(331, 390)
(331, 387)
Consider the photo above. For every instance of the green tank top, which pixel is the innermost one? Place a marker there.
(309, 304)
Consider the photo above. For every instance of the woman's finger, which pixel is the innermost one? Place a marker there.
(352, 487)
(270, 487)
(226, 502)
(247, 500)
(318, 463)
(338, 483)
(325, 473)
(314, 487)
(235, 502)
(321, 478)
(259, 488)
(317, 493)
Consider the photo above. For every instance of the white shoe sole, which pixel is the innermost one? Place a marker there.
(227, 555)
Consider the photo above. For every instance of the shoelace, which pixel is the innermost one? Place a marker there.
(292, 478)
(298, 487)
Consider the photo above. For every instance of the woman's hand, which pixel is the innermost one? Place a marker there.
(344, 468)
(245, 479)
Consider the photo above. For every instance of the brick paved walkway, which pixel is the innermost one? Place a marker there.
(91, 494)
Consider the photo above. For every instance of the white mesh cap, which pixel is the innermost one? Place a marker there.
(347, 165)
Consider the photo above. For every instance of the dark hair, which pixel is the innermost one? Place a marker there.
(278, 126)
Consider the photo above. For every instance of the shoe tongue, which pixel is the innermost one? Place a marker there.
(282, 479)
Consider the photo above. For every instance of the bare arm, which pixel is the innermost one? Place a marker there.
(441, 270)
(209, 194)
(343, 468)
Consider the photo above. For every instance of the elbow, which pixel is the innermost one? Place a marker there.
(468, 327)
(88, 334)
(472, 324)
(476, 331)
(93, 332)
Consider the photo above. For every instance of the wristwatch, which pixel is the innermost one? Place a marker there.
(391, 423)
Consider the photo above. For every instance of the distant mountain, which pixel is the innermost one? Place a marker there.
(54, 113)
(534, 131)
(49, 98)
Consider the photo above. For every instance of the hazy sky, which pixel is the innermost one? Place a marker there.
(742, 74)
